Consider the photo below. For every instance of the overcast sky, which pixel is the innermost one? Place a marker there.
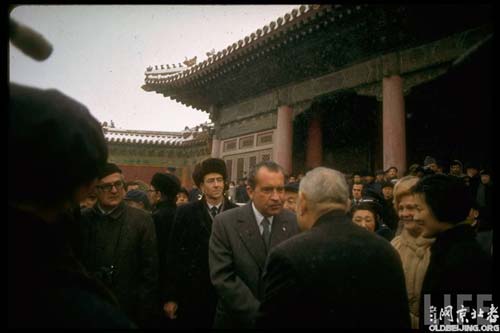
(101, 53)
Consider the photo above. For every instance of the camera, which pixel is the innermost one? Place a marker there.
(105, 274)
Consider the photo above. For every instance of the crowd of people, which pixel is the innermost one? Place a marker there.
(89, 249)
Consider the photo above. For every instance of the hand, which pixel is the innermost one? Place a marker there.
(170, 309)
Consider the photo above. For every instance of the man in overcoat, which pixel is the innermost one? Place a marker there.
(119, 248)
(334, 274)
(190, 298)
(240, 241)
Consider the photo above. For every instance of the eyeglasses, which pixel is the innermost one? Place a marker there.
(107, 187)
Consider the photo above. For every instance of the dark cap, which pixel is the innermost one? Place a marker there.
(166, 183)
(109, 169)
(210, 165)
(456, 162)
(138, 196)
(292, 187)
(471, 165)
(379, 172)
(171, 168)
(391, 167)
(485, 171)
(386, 184)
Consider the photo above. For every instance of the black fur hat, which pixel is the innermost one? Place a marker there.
(210, 165)
(166, 183)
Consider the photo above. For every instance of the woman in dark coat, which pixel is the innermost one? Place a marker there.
(457, 265)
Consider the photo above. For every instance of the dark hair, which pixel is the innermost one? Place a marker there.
(447, 196)
(54, 146)
(269, 165)
(183, 190)
(168, 184)
(370, 205)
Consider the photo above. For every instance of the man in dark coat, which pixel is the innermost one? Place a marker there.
(119, 247)
(240, 241)
(47, 286)
(335, 274)
(458, 265)
(190, 296)
(162, 195)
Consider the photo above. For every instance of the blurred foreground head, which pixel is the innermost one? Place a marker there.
(55, 146)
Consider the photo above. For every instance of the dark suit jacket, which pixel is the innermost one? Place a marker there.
(335, 275)
(188, 279)
(237, 256)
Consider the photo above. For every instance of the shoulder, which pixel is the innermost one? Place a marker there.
(287, 216)
(236, 212)
(87, 212)
(136, 212)
(190, 207)
(138, 217)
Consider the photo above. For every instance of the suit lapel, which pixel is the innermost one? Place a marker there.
(280, 230)
(250, 235)
(204, 217)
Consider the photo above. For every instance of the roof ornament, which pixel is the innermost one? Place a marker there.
(210, 53)
(190, 62)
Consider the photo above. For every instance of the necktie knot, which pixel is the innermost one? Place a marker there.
(214, 211)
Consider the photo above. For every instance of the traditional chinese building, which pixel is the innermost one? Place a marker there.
(140, 154)
(347, 86)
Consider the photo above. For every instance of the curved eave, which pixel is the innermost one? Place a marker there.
(243, 47)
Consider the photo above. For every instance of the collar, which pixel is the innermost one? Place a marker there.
(461, 231)
(259, 217)
(103, 212)
(115, 213)
(217, 206)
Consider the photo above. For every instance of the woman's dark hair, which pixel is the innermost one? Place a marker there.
(371, 205)
(447, 197)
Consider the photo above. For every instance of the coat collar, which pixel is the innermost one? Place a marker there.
(115, 214)
(249, 233)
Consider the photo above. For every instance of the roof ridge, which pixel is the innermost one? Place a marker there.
(279, 24)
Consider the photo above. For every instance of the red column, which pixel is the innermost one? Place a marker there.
(394, 123)
(282, 151)
(314, 153)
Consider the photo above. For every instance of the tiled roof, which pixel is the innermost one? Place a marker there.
(289, 21)
(188, 137)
